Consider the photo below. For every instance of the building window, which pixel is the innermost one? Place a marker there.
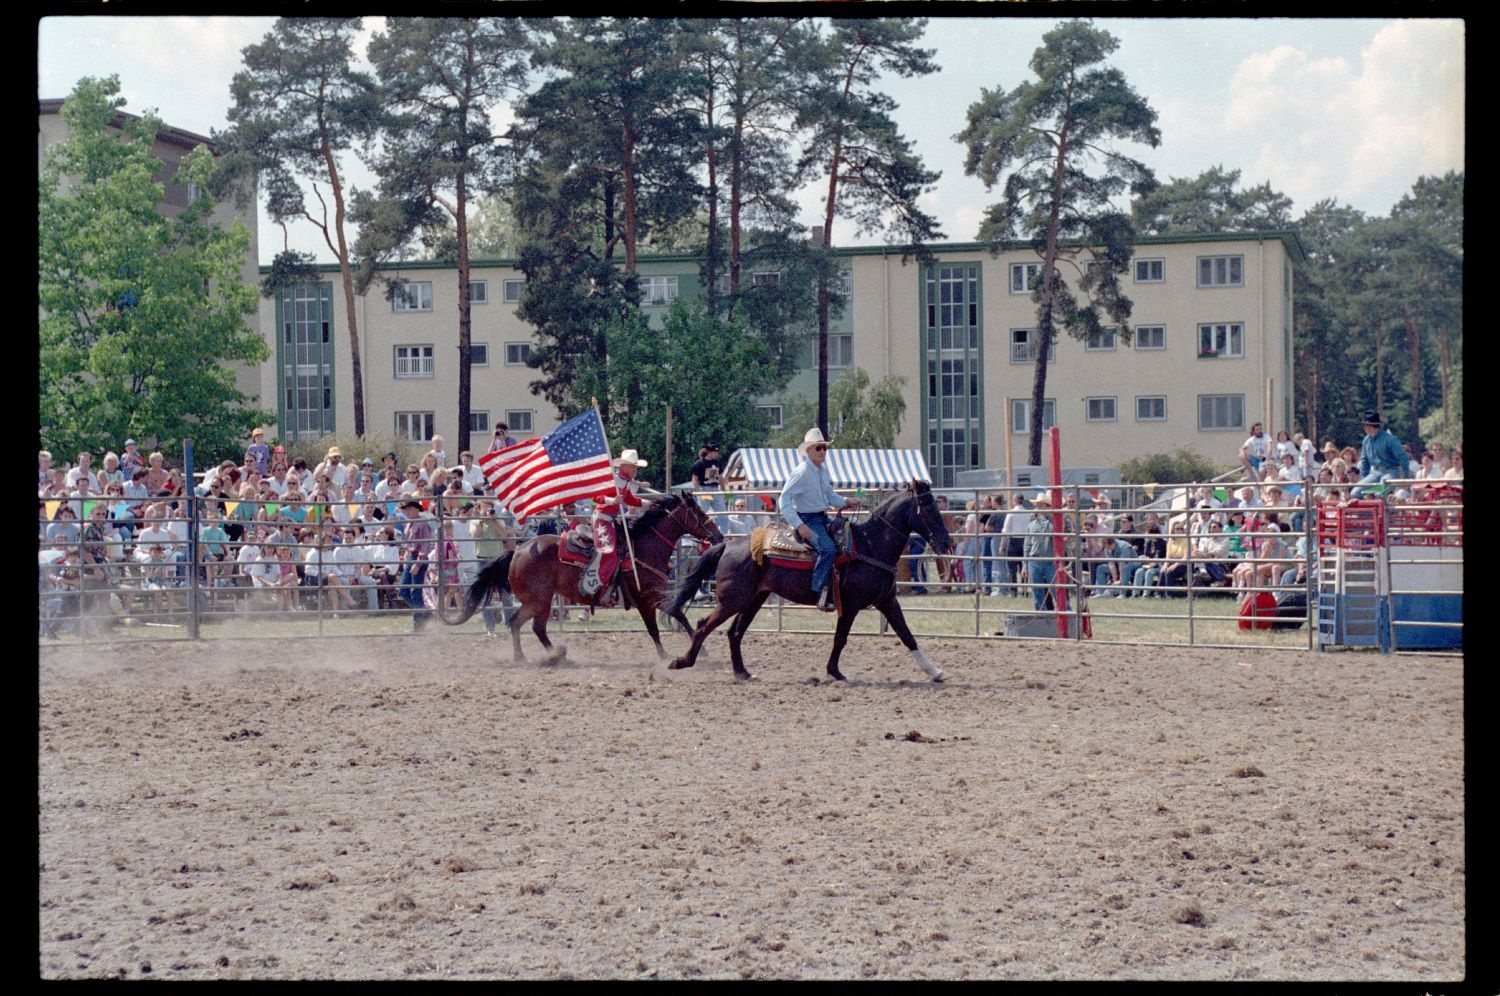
(414, 427)
(772, 415)
(1020, 415)
(479, 354)
(1150, 337)
(1221, 271)
(769, 279)
(953, 421)
(842, 285)
(1103, 339)
(479, 421)
(519, 419)
(658, 290)
(1023, 277)
(412, 297)
(1151, 409)
(1023, 347)
(413, 361)
(1150, 271)
(479, 292)
(1221, 412)
(840, 350)
(511, 291)
(1100, 409)
(517, 353)
(1223, 340)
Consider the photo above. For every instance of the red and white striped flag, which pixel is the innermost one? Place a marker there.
(568, 463)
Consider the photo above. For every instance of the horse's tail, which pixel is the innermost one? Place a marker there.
(684, 588)
(494, 575)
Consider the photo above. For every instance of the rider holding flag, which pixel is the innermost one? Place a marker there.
(622, 503)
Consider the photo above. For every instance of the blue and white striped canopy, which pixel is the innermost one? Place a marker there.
(768, 468)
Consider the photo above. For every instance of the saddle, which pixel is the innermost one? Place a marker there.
(576, 546)
(784, 548)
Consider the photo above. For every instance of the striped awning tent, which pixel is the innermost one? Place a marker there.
(850, 468)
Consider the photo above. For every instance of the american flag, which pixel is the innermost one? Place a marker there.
(568, 463)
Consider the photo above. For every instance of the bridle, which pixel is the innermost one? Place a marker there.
(668, 543)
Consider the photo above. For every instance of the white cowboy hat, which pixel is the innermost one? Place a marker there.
(632, 457)
(1042, 498)
(812, 438)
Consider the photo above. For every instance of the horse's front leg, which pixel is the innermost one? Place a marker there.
(891, 609)
(840, 637)
(648, 616)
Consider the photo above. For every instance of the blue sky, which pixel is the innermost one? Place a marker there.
(1352, 109)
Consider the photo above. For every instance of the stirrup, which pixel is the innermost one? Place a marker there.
(825, 600)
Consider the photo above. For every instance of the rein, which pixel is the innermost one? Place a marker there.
(668, 543)
(864, 559)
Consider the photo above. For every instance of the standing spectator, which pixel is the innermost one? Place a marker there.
(739, 522)
(493, 531)
(416, 538)
(1253, 452)
(131, 460)
(1307, 455)
(1381, 456)
(706, 476)
(43, 469)
(439, 453)
(502, 438)
(213, 545)
(1040, 569)
(258, 454)
(1013, 535)
(1455, 469)
(1284, 445)
(333, 467)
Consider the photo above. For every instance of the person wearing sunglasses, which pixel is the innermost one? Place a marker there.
(805, 500)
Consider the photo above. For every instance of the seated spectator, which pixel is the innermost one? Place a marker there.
(64, 527)
(1212, 550)
(156, 473)
(1455, 471)
(351, 561)
(158, 575)
(1254, 451)
(81, 469)
(739, 521)
(1115, 574)
(111, 471)
(44, 470)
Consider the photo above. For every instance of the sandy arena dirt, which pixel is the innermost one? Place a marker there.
(419, 807)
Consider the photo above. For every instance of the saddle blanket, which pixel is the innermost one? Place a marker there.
(784, 548)
(576, 547)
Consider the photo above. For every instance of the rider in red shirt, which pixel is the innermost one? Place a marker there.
(615, 505)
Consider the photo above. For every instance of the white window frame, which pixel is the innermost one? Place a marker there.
(475, 357)
(769, 279)
(1157, 263)
(1221, 340)
(410, 362)
(658, 290)
(1100, 409)
(479, 421)
(842, 284)
(420, 293)
(479, 292)
(1141, 337)
(510, 291)
(1026, 272)
(1229, 400)
(521, 420)
(840, 350)
(1029, 354)
(1020, 415)
(1151, 399)
(773, 414)
(516, 353)
(415, 427)
(1105, 342)
(1223, 271)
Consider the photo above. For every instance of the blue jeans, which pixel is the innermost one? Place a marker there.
(817, 524)
(1373, 477)
(413, 573)
(1040, 573)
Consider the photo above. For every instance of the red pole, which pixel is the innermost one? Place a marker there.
(1059, 548)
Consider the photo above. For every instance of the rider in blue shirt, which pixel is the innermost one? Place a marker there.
(805, 500)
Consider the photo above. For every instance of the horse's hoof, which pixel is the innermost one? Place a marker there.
(679, 664)
(837, 676)
(939, 678)
(743, 676)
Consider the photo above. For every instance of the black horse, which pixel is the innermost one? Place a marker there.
(744, 585)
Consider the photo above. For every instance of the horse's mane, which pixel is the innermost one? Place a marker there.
(658, 509)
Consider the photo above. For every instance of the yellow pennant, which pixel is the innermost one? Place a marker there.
(230, 506)
(52, 507)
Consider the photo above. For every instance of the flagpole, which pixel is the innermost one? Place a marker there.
(624, 526)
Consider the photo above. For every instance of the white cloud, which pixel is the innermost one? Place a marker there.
(1319, 128)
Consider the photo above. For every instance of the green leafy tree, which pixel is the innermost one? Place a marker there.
(707, 369)
(865, 414)
(873, 175)
(299, 108)
(141, 313)
(1043, 136)
(440, 79)
(1325, 372)
(1210, 202)
(1186, 465)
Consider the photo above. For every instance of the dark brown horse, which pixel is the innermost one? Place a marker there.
(534, 573)
(743, 585)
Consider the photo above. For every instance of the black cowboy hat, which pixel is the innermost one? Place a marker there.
(1372, 417)
(711, 445)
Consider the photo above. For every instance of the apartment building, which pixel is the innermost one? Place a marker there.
(1210, 351)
